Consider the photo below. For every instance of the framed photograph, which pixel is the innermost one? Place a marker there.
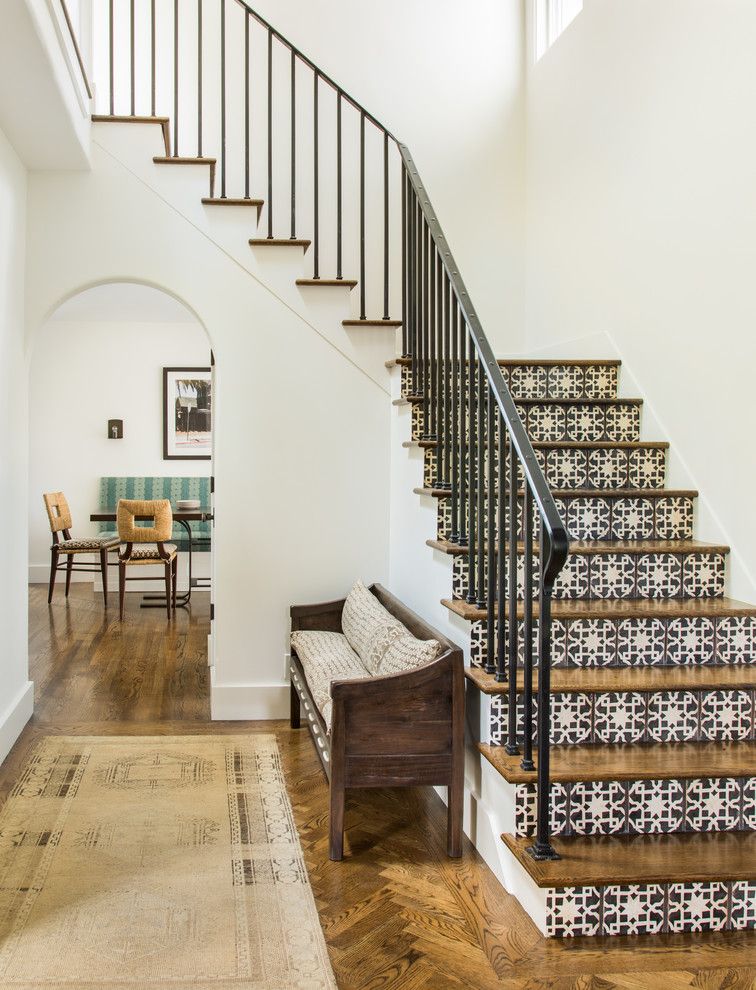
(187, 414)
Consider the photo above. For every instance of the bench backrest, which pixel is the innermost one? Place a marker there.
(114, 488)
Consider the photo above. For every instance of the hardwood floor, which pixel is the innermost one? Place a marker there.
(397, 914)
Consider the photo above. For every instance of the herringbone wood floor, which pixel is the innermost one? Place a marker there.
(397, 914)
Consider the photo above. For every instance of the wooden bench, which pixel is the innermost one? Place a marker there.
(398, 730)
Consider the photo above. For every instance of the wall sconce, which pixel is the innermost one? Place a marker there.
(115, 429)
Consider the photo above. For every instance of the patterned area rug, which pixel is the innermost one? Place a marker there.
(156, 862)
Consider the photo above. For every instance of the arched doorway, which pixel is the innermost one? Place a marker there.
(121, 392)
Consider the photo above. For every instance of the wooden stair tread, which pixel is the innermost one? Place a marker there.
(643, 859)
(590, 548)
(182, 160)
(106, 118)
(578, 680)
(649, 493)
(226, 201)
(406, 362)
(572, 444)
(164, 122)
(348, 283)
(371, 323)
(627, 608)
(657, 761)
(279, 242)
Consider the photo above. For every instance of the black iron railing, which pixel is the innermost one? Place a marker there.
(77, 50)
(503, 516)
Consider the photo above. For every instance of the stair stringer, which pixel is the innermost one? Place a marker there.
(421, 578)
(289, 405)
(182, 187)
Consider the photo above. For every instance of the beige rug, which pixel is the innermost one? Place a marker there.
(153, 863)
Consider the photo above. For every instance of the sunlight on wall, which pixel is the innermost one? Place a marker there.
(552, 17)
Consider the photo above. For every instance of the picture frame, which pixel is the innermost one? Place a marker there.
(187, 414)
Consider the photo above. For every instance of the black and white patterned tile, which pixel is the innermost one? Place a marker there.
(586, 422)
(638, 807)
(615, 576)
(650, 909)
(641, 642)
(589, 718)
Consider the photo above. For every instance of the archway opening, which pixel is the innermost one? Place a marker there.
(122, 405)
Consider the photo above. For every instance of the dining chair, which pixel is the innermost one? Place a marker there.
(146, 545)
(59, 515)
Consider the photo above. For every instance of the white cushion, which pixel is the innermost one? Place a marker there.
(326, 657)
(364, 622)
(404, 652)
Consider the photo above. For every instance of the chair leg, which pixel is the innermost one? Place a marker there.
(336, 824)
(69, 572)
(168, 588)
(121, 587)
(104, 570)
(53, 571)
(295, 709)
(175, 580)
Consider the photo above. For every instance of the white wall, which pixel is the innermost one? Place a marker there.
(82, 375)
(302, 432)
(642, 224)
(15, 689)
(444, 78)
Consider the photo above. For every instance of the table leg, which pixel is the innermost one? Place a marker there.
(182, 600)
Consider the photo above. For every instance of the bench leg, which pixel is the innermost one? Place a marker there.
(336, 827)
(455, 801)
(295, 710)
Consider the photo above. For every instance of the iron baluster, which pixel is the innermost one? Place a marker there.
(482, 453)
(176, 76)
(542, 847)
(527, 630)
(472, 491)
(315, 182)
(199, 73)
(465, 386)
(110, 55)
(363, 312)
(491, 549)
(454, 432)
(385, 226)
(512, 747)
(293, 149)
(153, 58)
(270, 135)
(339, 269)
(132, 34)
(501, 632)
(405, 266)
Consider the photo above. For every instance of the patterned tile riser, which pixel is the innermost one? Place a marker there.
(638, 717)
(593, 468)
(651, 909)
(648, 807)
(617, 518)
(558, 382)
(638, 642)
(588, 422)
(615, 576)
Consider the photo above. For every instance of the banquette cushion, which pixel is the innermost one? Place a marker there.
(373, 643)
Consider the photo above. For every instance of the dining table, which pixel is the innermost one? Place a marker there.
(201, 513)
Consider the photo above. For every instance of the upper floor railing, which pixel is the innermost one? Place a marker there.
(320, 163)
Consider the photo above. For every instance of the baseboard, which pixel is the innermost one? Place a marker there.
(15, 717)
(247, 702)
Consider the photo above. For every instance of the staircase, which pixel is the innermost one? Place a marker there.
(613, 680)
(653, 762)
